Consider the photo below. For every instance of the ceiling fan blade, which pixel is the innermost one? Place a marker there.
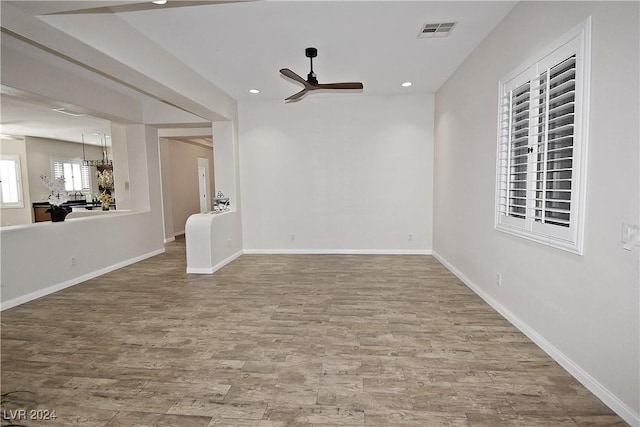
(293, 76)
(297, 96)
(346, 85)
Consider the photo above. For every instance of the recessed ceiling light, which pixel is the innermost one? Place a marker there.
(406, 84)
(159, 1)
(254, 91)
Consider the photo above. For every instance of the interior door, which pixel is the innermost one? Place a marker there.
(202, 185)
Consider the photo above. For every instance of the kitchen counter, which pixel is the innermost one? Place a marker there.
(70, 203)
(40, 213)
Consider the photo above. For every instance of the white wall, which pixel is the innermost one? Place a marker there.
(226, 171)
(185, 195)
(583, 310)
(227, 241)
(39, 72)
(167, 194)
(338, 173)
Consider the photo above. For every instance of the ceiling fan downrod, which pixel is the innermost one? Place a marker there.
(311, 52)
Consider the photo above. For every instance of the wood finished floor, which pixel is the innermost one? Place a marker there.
(267, 341)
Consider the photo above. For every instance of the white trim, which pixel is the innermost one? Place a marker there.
(548, 240)
(169, 240)
(338, 251)
(218, 266)
(583, 31)
(213, 269)
(76, 280)
(604, 394)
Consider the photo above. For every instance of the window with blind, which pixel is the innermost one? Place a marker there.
(542, 143)
(76, 175)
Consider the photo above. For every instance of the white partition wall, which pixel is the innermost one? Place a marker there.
(42, 258)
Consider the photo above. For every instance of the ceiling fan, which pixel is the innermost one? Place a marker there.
(312, 82)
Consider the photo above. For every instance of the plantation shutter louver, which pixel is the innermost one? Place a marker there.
(86, 179)
(58, 169)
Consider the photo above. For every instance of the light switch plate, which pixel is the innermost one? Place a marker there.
(630, 236)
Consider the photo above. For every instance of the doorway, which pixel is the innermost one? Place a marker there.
(203, 184)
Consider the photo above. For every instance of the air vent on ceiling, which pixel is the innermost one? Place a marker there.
(440, 29)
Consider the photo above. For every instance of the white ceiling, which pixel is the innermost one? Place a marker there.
(21, 114)
(240, 45)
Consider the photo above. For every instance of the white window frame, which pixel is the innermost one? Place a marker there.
(85, 181)
(570, 236)
(18, 181)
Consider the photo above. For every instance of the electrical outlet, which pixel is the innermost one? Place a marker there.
(229, 242)
(498, 279)
(74, 261)
(293, 237)
(410, 237)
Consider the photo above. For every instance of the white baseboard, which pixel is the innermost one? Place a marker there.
(169, 240)
(604, 394)
(213, 269)
(76, 280)
(338, 251)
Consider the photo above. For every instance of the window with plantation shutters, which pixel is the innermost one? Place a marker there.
(10, 182)
(75, 174)
(542, 140)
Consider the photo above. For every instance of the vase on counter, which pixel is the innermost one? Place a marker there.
(58, 213)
